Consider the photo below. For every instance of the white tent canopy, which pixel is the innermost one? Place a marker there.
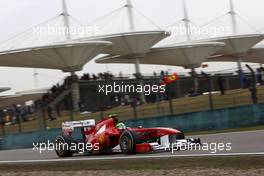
(255, 55)
(50, 45)
(183, 31)
(227, 27)
(50, 32)
(68, 57)
(123, 20)
(188, 55)
(132, 42)
(231, 23)
(238, 44)
(129, 31)
(179, 34)
(238, 35)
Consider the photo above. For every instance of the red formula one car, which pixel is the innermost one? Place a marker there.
(109, 136)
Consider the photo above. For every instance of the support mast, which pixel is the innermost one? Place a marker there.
(66, 15)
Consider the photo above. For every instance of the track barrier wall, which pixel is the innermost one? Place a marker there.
(26, 139)
(236, 117)
(208, 120)
(1, 144)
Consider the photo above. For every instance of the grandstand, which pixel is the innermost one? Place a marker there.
(232, 98)
(181, 104)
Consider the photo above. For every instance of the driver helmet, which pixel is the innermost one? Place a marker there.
(121, 126)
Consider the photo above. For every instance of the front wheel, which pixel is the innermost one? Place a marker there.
(128, 142)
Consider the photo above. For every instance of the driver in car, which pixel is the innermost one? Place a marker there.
(121, 126)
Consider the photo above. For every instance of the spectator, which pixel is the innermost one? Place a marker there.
(86, 77)
(244, 80)
(100, 76)
(12, 115)
(162, 75)
(260, 76)
(16, 113)
(221, 85)
(2, 121)
(94, 77)
(7, 118)
(23, 114)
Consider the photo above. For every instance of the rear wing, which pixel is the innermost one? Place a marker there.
(69, 126)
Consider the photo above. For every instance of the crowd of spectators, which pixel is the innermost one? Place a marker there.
(110, 76)
(15, 114)
(99, 76)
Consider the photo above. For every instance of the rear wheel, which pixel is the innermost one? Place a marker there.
(62, 146)
(128, 142)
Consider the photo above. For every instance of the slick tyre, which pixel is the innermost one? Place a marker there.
(62, 146)
(128, 142)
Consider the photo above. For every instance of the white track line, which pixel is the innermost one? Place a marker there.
(222, 133)
(130, 157)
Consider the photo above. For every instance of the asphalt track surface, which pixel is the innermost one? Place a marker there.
(242, 143)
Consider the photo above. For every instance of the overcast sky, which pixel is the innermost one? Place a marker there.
(18, 15)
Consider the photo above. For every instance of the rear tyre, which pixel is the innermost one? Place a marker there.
(62, 146)
(128, 142)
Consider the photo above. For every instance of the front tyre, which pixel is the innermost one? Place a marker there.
(62, 146)
(128, 142)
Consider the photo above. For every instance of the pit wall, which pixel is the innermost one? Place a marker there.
(242, 116)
